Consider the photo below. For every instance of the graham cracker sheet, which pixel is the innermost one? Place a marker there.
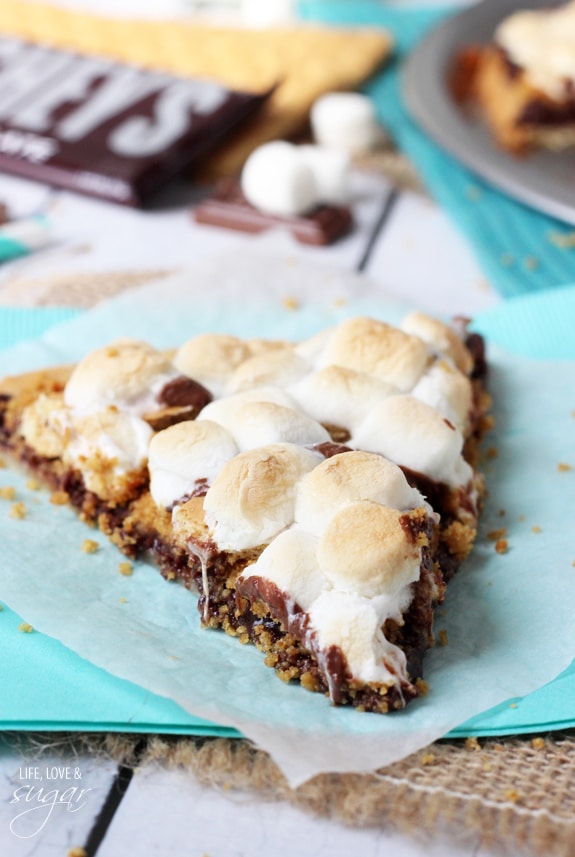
(299, 63)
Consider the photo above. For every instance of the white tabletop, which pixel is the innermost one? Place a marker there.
(412, 252)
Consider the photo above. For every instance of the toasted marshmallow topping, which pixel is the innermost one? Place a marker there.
(185, 455)
(210, 358)
(442, 338)
(339, 396)
(290, 562)
(378, 349)
(224, 411)
(364, 549)
(542, 43)
(447, 390)
(261, 423)
(353, 624)
(279, 367)
(413, 434)
(312, 348)
(128, 374)
(253, 497)
(346, 478)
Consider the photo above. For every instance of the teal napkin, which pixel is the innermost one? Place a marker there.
(513, 243)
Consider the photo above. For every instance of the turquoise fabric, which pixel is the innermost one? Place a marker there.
(513, 243)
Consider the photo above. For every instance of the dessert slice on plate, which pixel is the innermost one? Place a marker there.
(523, 81)
(317, 495)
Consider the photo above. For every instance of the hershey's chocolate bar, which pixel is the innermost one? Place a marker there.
(229, 209)
(113, 131)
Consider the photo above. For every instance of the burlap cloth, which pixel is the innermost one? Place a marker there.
(511, 793)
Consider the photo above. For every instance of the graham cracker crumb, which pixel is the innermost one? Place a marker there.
(521, 517)
(59, 498)
(290, 303)
(513, 705)
(122, 600)
(494, 535)
(502, 513)
(25, 628)
(77, 851)
(33, 485)
(565, 240)
(422, 686)
(125, 568)
(2, 463)
(531, 263)
(428, 759)
(491, 452)
(340, 302)
(90, 546)
(512, 795)
(563, 467)
(501, 545)
(472, 744)
(7, 492)
(538, 743)
(535, 529)
(442, 636)
(18, 510)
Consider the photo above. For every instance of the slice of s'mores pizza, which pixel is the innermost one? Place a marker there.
(318, 496)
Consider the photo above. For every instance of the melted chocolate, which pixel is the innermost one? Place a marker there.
(184, 392)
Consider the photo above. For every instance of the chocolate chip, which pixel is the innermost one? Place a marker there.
(184, 392)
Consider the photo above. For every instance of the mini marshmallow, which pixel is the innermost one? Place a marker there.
(210, 358)
(331, 170)
(224, 410)
(447, 390)
(290, 563)
(279, 367)
(365, 549)
(346, 121)
(339, 396)
(345, 479)
(353, 624)
(128, 374)
(46, 424)
(252, 499)
(378, 349)
(413, 434)
(440, 337)
(185, 454)
(277, 180)
(312, 348)
(261, 423)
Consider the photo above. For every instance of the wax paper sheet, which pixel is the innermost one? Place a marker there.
(508, 617)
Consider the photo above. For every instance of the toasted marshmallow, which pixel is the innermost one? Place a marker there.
(440, 337)
(210, 358)
(415, 435)
(277, 180)
(331, 169)
(252, 499)
(364, 549)
(447, 390)
(278, 367)
(262, 423)
(106, 447)
(345, 121)
(345, 479)
(224, 411)
(378, 349)
(339, 396)
(185, 455)
(353, 624)
(46, 425)
(312, 348)
(290, 563)
(128, 374)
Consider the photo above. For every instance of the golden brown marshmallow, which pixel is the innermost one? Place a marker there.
(439, 336)
(210, 358)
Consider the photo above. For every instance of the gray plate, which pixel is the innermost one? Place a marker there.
(544, 180)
